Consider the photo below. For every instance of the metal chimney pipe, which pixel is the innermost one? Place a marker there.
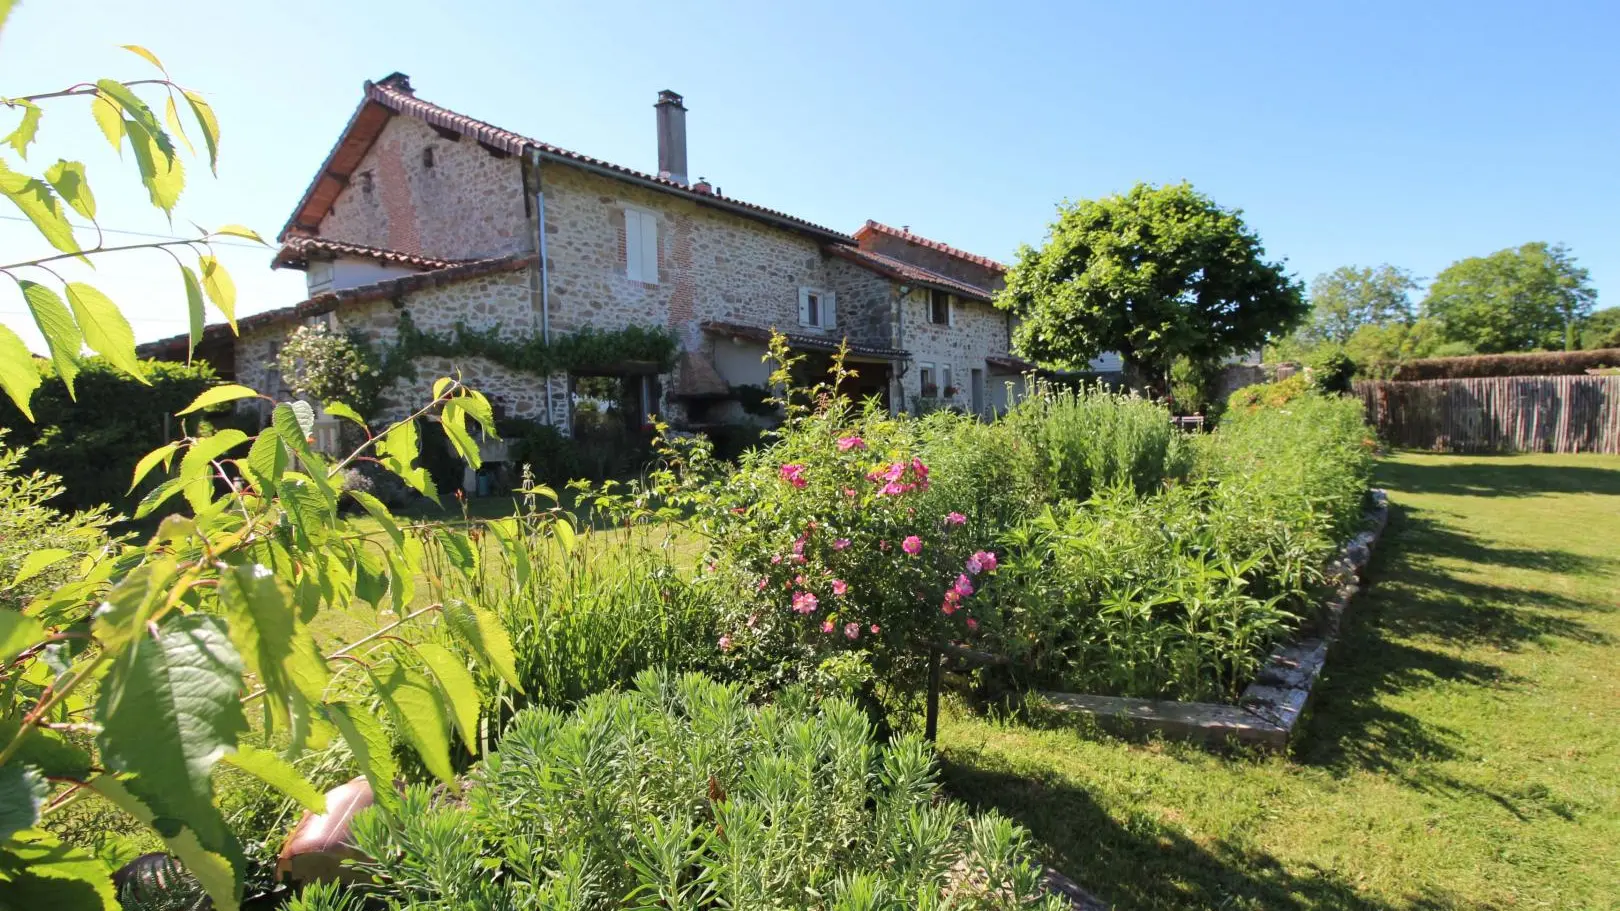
(671, 137)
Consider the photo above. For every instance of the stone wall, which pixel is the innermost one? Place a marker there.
(469, 204)
(935, 260)
(979, 330)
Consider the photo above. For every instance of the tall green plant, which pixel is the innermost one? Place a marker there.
(1089, 438)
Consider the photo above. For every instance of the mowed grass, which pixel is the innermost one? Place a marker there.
(1463, 750)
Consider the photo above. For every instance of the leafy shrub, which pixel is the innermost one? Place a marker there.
(322, 366)
(92, 443)
(552, 458)
(1536, 363)
(680, 794)
(1331, 370)
(31, 531)
(1087, 439)
(1268, 395)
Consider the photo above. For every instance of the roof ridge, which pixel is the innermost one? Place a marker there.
(907, 271)
(939, 246)
(303, 243)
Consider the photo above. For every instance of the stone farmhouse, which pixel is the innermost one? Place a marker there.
(425, 215)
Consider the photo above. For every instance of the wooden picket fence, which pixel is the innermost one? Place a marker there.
(1498, 414)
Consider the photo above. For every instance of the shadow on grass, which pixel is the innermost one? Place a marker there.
(1497, 476)
(1137, 862)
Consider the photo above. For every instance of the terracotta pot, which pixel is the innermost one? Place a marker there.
(318, 845)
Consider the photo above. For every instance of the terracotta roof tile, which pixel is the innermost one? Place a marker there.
(799, 340)
(333, 300)
(910, 272)
(298, 249)
(919, 240)
(1008, 363)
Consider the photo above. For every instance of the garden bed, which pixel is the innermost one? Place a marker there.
(1274, 701)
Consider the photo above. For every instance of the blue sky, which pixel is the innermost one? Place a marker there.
(1409, 133)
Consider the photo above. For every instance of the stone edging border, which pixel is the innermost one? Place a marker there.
(1271, 706)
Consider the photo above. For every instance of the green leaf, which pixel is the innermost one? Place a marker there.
(137, 115)
(23, 135)
(18, 376)
(453, 421)
(196, 466)
(398, 451)
(150, 57)
(161, 455)
(210, 127)
(340, 410)
(38, 871)
(460, 549)
(67, 177)
(171, 119)
(563, 530)
(267, 460)
(373, 752)
(22, 793)
(221, 290)
(278, 773)
(218, 867)
(38, 202)
(18, 633)
(308, 511)
(479, 407)
(33, 565)
(121, 618)
(380, 514)
(485, 637)
(419, 715)
(158, 496)
(105, 329)
(162, 171)
(60, 331)
(218, 395)
(275, 647)
(239, 231)
(458, 688)
(111, 121)
(197, 317)
(45, 750)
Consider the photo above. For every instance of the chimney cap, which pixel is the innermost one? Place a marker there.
(397, 80)
(671, 97)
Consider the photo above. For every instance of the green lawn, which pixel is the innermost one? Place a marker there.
(1463, 750)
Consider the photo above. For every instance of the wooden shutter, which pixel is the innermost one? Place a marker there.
(632, 244)
(649, 248)
(950, 310)
(829, 311)
(804, 306)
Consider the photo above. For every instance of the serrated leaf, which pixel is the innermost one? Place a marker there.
(18, 376)
(340, 410)
(221, 289)
(398, 451)
(267, 460)
(460, 549)
(373, 752)
(121, 617)
(137, 114)
(158, 496)
(162, 172)
(479, 408)
(218, 866)
(56, 324)
(50, 874)
(22, 793)
(18, 633)
(239, 231)
(210, 127)
(217, 395)
(67, 177)
(305, 507)
(457, 686)
(196, 316)
(105, 329)
(197, 470)
(278, 773)
(273, 644)
(150, 57)
(32, 565)
(295, 420)
(161, 455)
(419, 715)
(380, 514)
(453, 421)
(171, 119)
(111, 121)
(23, 135)
(38, 202)
(485, 637)
(45, 750)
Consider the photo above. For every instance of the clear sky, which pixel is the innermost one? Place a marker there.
(1412, 133)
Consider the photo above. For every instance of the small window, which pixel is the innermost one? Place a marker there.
(939, 307)
(427, 157)
(641, 246)
(929, 380)
(817, 309)
(947, 389)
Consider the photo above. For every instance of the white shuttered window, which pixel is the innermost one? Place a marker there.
(818, 308)
(641, 246)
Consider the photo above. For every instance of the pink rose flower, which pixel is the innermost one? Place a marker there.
(912, 545)
(987, 560)
(761, 586)
(845, 444)
(725, 643)
(840, 544)
(849, 492)
(799, 579)
(826, 626)
(883, 546)
(948, 607)
(839, 587)
(776, 558)
(753, 620)
(852, 630)
(893, 489)
(876, 629)
(805, 603)
(798, 547)
(797, 558)
(955, 518)
(963, 586)
(794, 474)
(972, 624)
(895, 472)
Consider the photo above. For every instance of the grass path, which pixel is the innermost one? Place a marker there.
(1463, 752)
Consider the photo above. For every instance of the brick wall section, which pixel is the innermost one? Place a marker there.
(929, 258)
(468, 205)
(979, 330)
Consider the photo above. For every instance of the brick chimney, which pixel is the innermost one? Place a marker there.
(671, 136)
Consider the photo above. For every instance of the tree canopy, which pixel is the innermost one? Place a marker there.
(1154, 274)
(1518, 299)
(1350, 297)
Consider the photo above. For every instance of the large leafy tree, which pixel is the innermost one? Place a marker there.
(1601, 330)
(1154, 274)
(1350, 297)
(1518, 299)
